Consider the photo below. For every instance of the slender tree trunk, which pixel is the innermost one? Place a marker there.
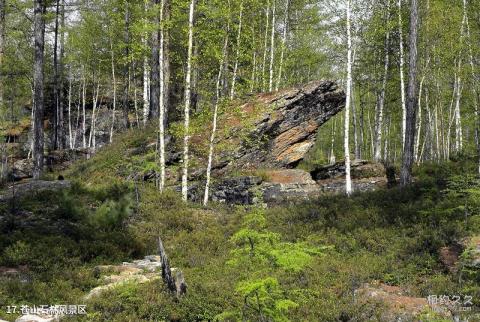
(154, 71)
(187, 103)
(126, 72)
(84, 99)
(56, 98)
(70, 139)
(332, 158)
(114, 87)
(135, 98)
(214, 123)
(38, 85)
(381, 102)
(161, 121)
(419, 121)
(265, 46)
(237, 51)
(387, 134)
(402, 77)
(166, 61)
(356, 135)
(284, 43)
(91, 137)
(407, 162)
(272, 48)
(146, 90)
(457, 114)
(146, 74)
(348, 179)
(61, 116)
(458, 118)
(77, 121)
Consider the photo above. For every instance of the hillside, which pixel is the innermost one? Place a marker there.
(315, 260)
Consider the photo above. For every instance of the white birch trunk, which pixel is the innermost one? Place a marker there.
(284, 43)
(91, 138)
(380, 105)
(83, 110)
(214, 123)
(70, 139)
(146, 89)
(187, 103)
(457, 113)
(419, 121)
(348, 179)
(458, 117)
(161, 108)
(114, 85)
(272, 48)
(265, 47)
(332, 158)
(237, 52)
(146, 77)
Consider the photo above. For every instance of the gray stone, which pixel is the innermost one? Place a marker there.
(36, 318)
(284, 129)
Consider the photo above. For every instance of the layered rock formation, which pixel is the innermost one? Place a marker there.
(281, 128)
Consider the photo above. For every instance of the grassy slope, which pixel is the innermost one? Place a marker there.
(392, 236)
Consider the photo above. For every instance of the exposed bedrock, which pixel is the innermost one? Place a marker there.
(286, 126)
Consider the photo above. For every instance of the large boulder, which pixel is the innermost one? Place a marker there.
(277, 130)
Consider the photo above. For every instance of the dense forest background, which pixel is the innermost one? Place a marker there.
(103, 56)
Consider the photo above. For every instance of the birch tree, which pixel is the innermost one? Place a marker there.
(214, 122)
(187, 103)
(381, 96)
(146, 73)
(161, 120)
(348, 180)
(265, 46)
(408, 150)
(114, 89)
(457, 113)
(284, 43)
(272, 48)
(237, 51)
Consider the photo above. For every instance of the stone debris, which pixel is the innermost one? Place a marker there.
(36, 318)
(399, 305)
(138, 271)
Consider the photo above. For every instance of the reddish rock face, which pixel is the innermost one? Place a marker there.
(287, 125)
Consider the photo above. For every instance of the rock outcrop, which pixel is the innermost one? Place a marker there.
(281, 127)
(139, 271)
(401, 306)
(285, 185)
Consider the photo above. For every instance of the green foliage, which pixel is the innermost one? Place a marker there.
(17, 254)
(262, 251)
(263, 299)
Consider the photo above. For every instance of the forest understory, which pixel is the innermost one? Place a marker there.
(239, 160)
